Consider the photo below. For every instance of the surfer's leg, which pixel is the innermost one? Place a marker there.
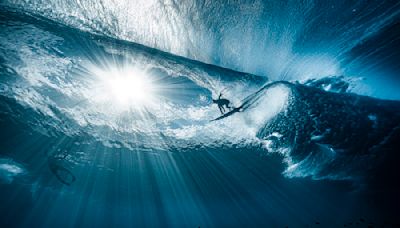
(220, 109)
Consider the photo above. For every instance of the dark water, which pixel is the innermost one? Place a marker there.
(79, 149)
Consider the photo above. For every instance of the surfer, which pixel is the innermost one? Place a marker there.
(221, 102)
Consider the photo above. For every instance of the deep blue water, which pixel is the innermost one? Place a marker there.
(105, 113)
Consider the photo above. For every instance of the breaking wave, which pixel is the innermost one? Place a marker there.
(53, 82)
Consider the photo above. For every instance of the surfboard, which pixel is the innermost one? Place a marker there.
(246, 103)
(233, 111)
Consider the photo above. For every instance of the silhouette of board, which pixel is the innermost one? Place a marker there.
(233, 111)
(63, 174)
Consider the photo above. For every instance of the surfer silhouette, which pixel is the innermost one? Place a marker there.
(221, 102)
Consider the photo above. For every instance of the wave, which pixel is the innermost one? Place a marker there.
(284, 41)
(53, 83)
(57, 71)
(332, 135)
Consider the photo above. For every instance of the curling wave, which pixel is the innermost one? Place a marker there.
(50, 84)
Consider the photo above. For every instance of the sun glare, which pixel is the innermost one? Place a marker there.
(125, 86)
(128, 88)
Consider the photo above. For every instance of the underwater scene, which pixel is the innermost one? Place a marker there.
(199, 113)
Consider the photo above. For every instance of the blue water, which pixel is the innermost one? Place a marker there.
(105, 113)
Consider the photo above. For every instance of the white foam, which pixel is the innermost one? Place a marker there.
(10, 169)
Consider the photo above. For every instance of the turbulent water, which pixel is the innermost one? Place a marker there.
(281, 40)
(73, 139)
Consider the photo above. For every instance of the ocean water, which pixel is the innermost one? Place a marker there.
(106, 113)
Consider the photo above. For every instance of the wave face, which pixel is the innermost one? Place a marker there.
(66, 81)
(82, 99)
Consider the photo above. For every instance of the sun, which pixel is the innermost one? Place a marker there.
(125, 86)
(129, 88)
